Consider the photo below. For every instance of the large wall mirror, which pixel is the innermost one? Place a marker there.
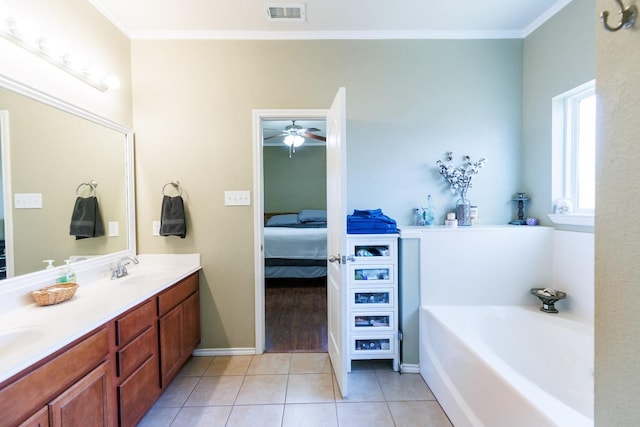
(49, 150)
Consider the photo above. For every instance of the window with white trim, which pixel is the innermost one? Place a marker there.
(574, 148)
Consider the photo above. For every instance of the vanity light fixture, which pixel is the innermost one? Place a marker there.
(27, 35)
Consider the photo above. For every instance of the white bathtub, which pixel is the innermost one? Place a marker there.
(507, 366)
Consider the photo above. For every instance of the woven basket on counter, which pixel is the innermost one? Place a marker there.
(54, 294)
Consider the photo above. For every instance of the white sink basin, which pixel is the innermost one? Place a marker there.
(141, 279)
(20, 337)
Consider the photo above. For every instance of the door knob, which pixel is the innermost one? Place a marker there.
(333, 258)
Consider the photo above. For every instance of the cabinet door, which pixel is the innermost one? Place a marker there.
(170, 331)
(191, 336)
(86, 403)
(138, 392)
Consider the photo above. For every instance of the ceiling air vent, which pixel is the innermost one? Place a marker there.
(286, 12)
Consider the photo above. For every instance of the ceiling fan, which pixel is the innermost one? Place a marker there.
(294, 136)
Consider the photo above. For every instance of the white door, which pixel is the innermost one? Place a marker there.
(336, 239)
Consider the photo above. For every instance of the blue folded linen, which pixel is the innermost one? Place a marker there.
(370, 222)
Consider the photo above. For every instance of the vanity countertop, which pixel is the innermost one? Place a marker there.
(28, 333)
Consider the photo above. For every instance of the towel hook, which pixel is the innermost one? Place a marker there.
(628, 17)
(93, 184)
(176, 184)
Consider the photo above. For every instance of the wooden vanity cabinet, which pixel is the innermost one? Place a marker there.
(64, 388)
(113, 375)
(136, 358)
(178, 326)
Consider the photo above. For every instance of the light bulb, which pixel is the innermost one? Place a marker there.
(96, 74)
(77, 62)
(28, 32)
(54, 48)
(112, 82)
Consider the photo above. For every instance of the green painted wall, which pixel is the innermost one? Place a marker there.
(296, 183)
(558, 56)
(408, 102)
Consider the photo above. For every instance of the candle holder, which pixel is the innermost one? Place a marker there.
(520, 199)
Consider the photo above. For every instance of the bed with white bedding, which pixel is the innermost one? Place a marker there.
(295, 245)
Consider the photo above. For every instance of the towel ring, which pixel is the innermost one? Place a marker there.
(92, 184)
(175, 184)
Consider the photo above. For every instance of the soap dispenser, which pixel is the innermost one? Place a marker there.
(68, 275)
(50, 263)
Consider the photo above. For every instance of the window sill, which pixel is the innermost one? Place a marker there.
(572, 219)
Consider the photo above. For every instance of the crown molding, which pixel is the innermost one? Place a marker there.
(546, 15)
(104, 10)
(324, 35)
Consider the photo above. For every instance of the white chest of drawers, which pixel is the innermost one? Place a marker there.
(372, 281)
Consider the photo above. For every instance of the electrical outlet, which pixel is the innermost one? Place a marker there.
(155, 228)
(237, 198)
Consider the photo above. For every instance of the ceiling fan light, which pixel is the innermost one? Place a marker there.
(293, 140)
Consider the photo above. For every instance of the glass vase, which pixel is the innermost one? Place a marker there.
(428, 213)
(463, 211)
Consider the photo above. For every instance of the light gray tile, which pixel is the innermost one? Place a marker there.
(213, 391)
(177, 392)
(403, 387)
(364, 414)
(256, 415)
(229, 365)
(270, 363)
(363, 387)
(262, 389)
(195, 366)
(424, 413)
(158, 416)
(310, 363)
(310, 415)
(310, 388)
(202, 416)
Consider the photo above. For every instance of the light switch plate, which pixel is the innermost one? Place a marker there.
(114, 229)
(28, 200)
(237, 198)
(155, 228)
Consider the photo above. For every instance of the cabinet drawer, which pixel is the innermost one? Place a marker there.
(359, 274)
(138, 392)
(136, 321)
(372, 321)
(130, 357)
(368, 345)
(372, 298)
(176, 294)
(373, 250)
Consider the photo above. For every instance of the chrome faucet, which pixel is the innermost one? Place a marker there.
(120, 269)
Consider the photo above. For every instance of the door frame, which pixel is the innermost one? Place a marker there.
(259, 116)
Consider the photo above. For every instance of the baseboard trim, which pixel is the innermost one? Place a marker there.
(410, 368)
(241, 351)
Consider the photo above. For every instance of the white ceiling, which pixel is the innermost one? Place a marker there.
(330, 19)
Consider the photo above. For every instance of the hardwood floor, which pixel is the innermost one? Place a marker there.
(296, 315)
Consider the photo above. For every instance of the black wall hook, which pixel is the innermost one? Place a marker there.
(628, 17)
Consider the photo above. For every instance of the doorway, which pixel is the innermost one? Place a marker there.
(294, 205)
(291, 297)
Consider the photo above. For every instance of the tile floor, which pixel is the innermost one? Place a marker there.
(292, 389)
